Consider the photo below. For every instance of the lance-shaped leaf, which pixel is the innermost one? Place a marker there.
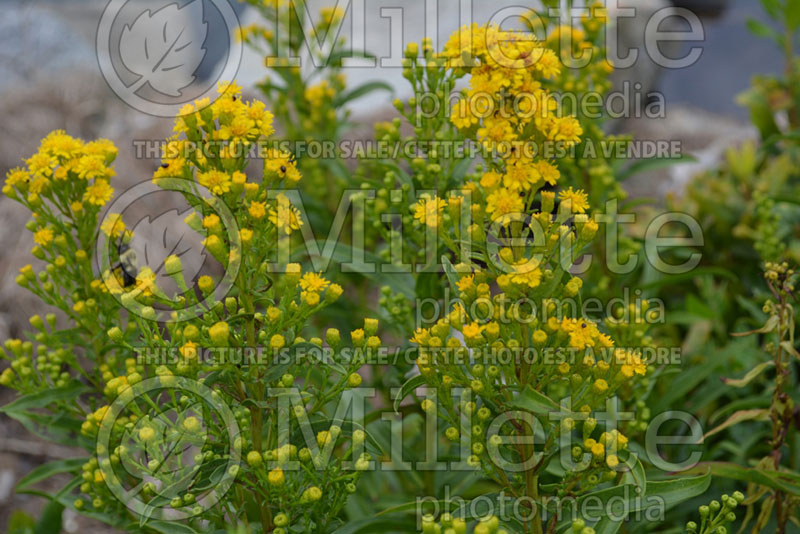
(537, 403)
(406, 389)
(750, 376)
(736, 418)
(786, 481)
(768, 327)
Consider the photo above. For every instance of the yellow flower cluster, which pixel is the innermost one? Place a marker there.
(320, 99)
(317, 94)
(284, 216)
(428, 210)
(216, 137)
(506, 101)
(67, 170)
(281, 165)
(605, 450)
(510, 111)
(313, 285)
(239, 122)
(212, 146)
(573, 43)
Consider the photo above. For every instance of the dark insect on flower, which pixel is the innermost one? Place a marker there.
(128, 266)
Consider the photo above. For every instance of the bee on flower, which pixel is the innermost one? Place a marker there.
(284, 216)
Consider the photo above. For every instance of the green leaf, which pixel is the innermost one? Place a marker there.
(377, 524)
(788, 482)
(792, 14)
(211, 474)
(44, 398)
(362, 90)
(59, 428)
(652, 164)
(45, 471)
(51, 520)
(536, 403)
(676, 490)
(620, 501)
(788, 347)
(635, 474)
(747, 403)
(759, 29)
(761, 113)
(428, 286)
(736, 418)
(750, 376)
(21, 523)
(406, 389)
(459, 171)
(772, 7)
(338, 55)
(68, 501)
(171, 528)
(769, 326)
(452, 275)
(617, 501)
(607, 525)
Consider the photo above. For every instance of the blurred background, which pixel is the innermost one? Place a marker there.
(50, 79)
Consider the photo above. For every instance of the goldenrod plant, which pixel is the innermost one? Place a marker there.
(179, 413)
(510, 361)
(487, 399)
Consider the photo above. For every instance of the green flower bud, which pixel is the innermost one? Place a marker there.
(231, 305)
(333, 337)
(219, 334)
(254, 459)
(115, 334)
(36, 322)
(370, 327)
(354, 380)
(172, 265)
